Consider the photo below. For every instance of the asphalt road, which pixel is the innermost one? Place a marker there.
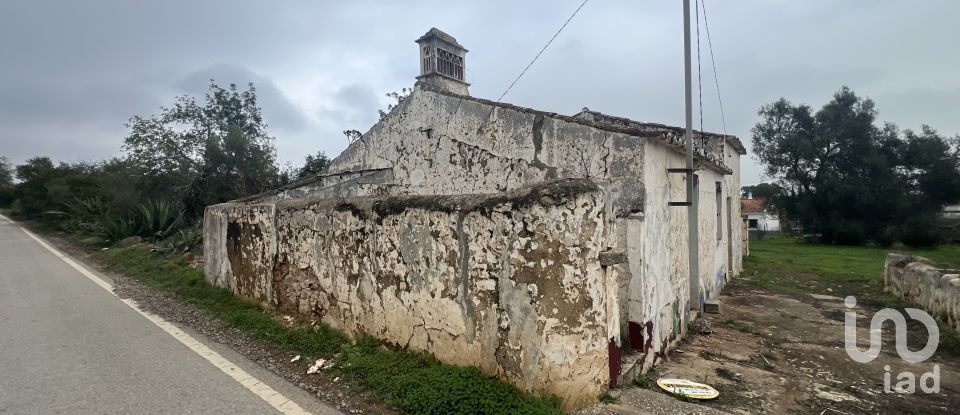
(68, 346)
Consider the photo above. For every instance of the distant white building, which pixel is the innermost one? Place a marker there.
(951, 212)
(757, 217)
(950, 223)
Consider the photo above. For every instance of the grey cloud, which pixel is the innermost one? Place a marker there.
(353, 107)
(73, 72)
(278, 111)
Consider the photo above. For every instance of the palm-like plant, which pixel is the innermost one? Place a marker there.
(157, 220)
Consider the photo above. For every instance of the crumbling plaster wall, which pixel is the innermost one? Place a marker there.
(916, 279)
(440, 143)
(659, 292)
(510, 282)
(240, 239)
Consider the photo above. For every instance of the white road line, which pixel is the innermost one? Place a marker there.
(262, 390)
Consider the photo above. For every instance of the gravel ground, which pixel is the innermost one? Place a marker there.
(638, 401)
(348, 399)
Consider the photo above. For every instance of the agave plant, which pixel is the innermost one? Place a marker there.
(157, 220)
(113, 228)
(184, 241)
(80, 214)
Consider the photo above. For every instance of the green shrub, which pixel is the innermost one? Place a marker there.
(6, 196)
(113, 228)
(79, 215)
(185, 240)
(157, 220)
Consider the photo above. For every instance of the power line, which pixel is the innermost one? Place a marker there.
(713, 64)
(541, 50)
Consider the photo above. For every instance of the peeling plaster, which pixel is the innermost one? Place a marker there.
(510, 283)
(441, 230)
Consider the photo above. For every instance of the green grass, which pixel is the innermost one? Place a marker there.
(607, 398)
(642, 381)
(411, 382)
(947, 256)
(787, 264)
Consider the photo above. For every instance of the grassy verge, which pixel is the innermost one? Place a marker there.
(787, 265)
(411, 382)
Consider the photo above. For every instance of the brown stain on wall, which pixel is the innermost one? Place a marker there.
(429, 273)
(244, 248)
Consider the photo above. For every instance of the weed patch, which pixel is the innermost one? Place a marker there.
(738, 325)
(642, 381)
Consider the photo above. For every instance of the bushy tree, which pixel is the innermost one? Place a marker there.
(44, 187)
(233, 166)
(204, 152)
(6, 173)
(31, 192)
(850, 180)
(6, 182)
(313, 165)
(193, 154)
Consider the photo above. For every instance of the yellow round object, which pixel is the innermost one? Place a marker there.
(687, 388)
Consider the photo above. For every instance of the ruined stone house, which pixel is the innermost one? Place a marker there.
(538, 247)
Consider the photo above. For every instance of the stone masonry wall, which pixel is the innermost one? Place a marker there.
(440, 143)
(917, 280)
(510, 283)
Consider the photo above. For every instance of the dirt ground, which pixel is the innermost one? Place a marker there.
(784, 353)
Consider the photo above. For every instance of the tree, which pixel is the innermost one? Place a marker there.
(31, 192)
(6, 182)
(232, 166)
(850, 180)
(313, 165)
(6, 173)
(44, 187)
(205, 152)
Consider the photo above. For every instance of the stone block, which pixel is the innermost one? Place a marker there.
(612, 257)
(712, 307)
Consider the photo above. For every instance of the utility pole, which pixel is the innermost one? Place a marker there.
(693, 238)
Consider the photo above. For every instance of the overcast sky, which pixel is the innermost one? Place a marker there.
(71, 73)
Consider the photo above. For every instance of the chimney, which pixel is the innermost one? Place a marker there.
(442, 62)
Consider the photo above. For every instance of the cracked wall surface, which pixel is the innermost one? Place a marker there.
(918, 280)
(508, 282)
(240, 240)
(658, 290)
(437, 143)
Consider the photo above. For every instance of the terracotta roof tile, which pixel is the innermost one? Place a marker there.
(752, 205)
